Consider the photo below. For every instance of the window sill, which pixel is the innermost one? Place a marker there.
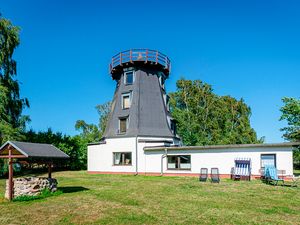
(179, 169)
(122, 165)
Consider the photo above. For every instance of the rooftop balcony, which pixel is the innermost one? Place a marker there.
(133, 57)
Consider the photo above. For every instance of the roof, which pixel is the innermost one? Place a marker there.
(213, 147)
(34, 150)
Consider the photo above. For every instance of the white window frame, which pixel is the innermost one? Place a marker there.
(179, 163)
(122, 159)
(128, 94)
(133, 77)
(162, 84)
(268, 154)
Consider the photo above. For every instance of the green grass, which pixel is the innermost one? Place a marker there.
(121, 199)
(44, 194)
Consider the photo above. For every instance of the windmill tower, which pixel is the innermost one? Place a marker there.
(139, 113)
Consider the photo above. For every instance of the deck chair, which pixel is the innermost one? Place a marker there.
(203, 174)
(214, 175)
(271, 175)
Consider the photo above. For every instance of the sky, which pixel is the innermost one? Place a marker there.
(245, 49)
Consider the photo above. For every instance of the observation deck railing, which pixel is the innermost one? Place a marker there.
(140, 55)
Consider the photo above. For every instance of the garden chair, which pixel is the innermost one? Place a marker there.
(214, 175)
(203, 174)
(271, 175)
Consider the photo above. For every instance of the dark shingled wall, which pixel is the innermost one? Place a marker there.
(147, 113)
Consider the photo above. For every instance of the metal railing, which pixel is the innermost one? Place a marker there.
(140, 55)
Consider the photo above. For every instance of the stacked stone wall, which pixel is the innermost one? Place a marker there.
(31, 186)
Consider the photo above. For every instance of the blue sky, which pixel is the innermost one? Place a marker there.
(246, 49)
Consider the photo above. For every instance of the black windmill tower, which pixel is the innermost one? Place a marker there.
(140, 105)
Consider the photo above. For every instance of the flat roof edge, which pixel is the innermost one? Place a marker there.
(207, 147)
(96, 143)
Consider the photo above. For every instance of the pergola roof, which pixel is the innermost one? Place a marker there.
(31, 150)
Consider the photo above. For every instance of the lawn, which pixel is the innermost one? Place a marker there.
(121, 199)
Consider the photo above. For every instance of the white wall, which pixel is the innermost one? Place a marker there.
(223, 159)
(100, 157)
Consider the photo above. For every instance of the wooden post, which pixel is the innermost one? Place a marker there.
(10, 176)
(49, 170)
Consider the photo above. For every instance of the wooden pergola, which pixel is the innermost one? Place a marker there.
(45, 153)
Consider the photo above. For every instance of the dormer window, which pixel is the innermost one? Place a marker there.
(173, 126)
(126, 100)
(129, 77)
(123, 125)
(162, 82)
(168, 103)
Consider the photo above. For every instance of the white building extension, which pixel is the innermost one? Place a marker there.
(140, 156)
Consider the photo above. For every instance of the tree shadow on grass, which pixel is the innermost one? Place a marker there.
(72, 189)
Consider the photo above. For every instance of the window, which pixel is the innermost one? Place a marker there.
(179, 162)
(126, 101)
(162, 82)
(168, 103)
(128, 79)
(268, 159)
(173, 126)
(123, 125)
(122, 158)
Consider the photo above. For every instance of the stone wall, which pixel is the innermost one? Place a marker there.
(31, 186)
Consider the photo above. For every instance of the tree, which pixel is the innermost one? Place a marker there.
(92, 132)
(12, 122)
(204, 118)
(73, 146)
(291, 113)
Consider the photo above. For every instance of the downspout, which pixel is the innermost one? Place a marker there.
(136, 155)
(138, 122)
(162, 161)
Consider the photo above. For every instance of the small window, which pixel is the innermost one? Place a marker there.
(128, 79)
(123, 125)
(126, 101)
(173, 126)
(122, 158)
(168, 103)
(162, 82)
(268, 159)
(179, 162)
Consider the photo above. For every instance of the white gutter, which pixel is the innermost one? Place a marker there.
(209, 147)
